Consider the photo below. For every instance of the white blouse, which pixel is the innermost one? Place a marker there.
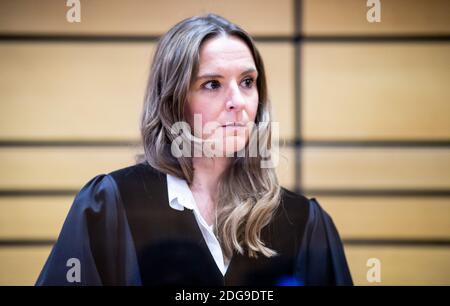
(180, 197)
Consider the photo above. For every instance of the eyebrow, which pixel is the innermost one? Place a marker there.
(218, 76)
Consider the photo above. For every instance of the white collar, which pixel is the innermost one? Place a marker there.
(179, 190)
(181, 197)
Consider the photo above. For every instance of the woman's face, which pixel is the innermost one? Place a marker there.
(224, 93)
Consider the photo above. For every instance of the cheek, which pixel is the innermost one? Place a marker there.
(203, 106)
(252, 108)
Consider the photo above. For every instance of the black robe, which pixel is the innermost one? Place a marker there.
(122, 231)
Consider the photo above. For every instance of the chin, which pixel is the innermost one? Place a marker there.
(233, 144)
(222, 147)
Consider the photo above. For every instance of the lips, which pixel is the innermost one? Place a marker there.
(237, 124)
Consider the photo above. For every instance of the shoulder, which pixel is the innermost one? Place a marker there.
(136, 173)
(299, 204)
(139, 184)
(293, 198)
(300, 210)
(294, 203)
(293, 210)
(107, 190)
(95, 193)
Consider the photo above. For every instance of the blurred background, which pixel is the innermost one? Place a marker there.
(364, 111)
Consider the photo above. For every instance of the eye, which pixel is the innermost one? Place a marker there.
(248, 82)
(211, 85)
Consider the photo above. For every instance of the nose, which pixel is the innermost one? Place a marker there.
(235, 100)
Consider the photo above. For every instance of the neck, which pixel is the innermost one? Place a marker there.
(206, 174)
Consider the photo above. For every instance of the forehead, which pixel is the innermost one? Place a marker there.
(225, 52)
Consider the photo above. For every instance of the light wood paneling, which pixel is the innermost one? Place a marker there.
(33, 217)
(72, 91)
(348, 17)
(375, 91)
(389, 217)
(401, 265)
(41, 217)
(69, 168)
(279, 64)
(142, 17)
(59, 168)
(376, 168)
(355, 218)
(20, 266)
(90, 91)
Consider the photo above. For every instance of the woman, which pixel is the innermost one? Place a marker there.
(199, 208)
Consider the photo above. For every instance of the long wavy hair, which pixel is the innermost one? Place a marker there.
(248, 194)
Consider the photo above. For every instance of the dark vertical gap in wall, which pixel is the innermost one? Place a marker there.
(297, 94)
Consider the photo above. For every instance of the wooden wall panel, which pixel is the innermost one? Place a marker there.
(401, 265)
(141, 17)
(20, 266)
(59, 168)
(348, 17)
(64, 168)
(54, 91)
(376, 168)
(95, 91)
(27, 218)
(375, 91)
(413, 218)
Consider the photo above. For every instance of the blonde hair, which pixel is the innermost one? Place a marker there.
(248, 194)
